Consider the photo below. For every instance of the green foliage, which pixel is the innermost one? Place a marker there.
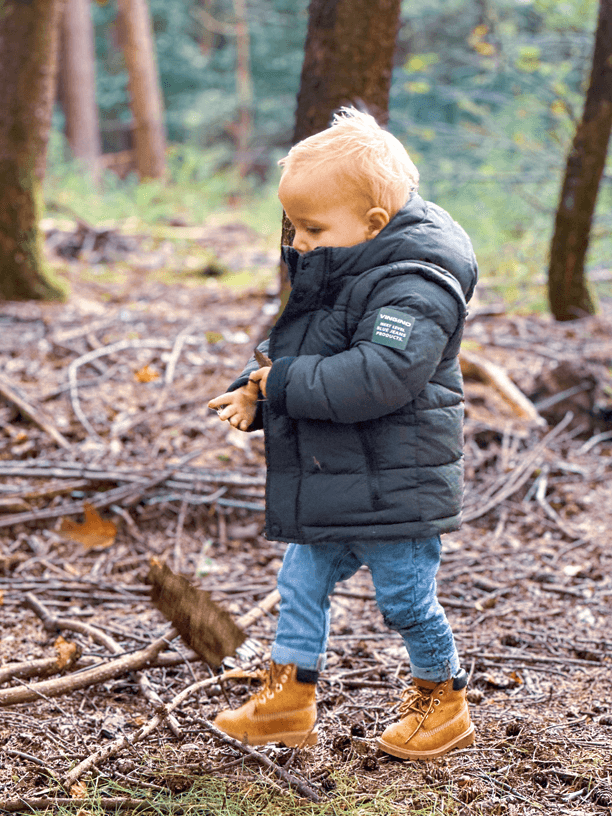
(200, 182)
(488, 111)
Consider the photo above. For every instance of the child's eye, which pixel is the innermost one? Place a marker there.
(313, 230)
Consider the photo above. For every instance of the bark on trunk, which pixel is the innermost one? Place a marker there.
(244, 87)
(348, 60)
(567, 289)
(145, 93)
(79, 84)
(28, 48)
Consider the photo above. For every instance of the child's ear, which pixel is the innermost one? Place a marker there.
(377, 219)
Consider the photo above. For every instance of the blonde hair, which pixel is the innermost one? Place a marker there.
(373, 158)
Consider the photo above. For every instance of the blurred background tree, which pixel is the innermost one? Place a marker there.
(29, 35)
(77, 84)
(143, 85)
(567, 289)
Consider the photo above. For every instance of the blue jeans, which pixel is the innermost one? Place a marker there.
(404, 576)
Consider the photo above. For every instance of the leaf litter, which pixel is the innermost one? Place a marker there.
(526, 584)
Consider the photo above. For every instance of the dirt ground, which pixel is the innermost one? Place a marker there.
(526, 582)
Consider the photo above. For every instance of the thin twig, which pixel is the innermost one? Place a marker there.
(121, 345)
(521, 474)
(292, 781)
(35, 414)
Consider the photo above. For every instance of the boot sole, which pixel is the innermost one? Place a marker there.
(462, 741)
(289, 738)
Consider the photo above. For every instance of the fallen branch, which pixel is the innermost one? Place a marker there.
(47, 469)
(472, 365)
(292, 781)
(88, 677)
(32, 803)
(128, 494)
(552, 514)
(113, 348)
(118, 744)
(266, 605)
(53, 624)
(121, 345)
(35, 414)
(67, 655)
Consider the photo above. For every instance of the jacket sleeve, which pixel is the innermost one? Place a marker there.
(369, 380)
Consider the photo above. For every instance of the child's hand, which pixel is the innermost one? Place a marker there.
(238, 406)
(261, 377)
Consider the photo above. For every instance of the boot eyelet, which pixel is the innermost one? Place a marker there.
(436, 702)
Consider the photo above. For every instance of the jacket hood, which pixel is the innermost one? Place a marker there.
(420, 231)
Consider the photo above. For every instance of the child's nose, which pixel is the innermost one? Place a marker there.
(300, 242)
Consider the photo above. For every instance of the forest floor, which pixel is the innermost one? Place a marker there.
(526, 582)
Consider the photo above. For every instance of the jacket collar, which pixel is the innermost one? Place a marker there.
(331, 263)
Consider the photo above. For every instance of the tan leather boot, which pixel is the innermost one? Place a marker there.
(283, 711)
(434, 719)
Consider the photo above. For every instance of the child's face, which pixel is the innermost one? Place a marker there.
(326, 211)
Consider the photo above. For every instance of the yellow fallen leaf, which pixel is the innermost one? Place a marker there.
(146, 374)
(94, 534)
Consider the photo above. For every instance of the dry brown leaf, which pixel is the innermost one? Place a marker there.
(146, 374)
(78, 790)
(67, 653)
(94, 534)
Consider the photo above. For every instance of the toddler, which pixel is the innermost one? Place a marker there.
(362, 410)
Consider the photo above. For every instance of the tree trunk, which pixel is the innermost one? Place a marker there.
(79, 84)
(348, 60)
(244, 87)
(29, 33)
(145, 93)
(567, 290)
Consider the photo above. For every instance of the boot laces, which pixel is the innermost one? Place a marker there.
(273, 681)
(418, 700)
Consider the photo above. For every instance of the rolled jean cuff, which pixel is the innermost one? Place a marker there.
(305, 660)
(439, 673)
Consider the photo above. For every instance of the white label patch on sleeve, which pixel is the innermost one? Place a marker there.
(392, 328)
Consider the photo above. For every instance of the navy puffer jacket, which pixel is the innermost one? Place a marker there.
(364, 412)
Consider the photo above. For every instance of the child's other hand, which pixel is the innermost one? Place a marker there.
(261, 378)
(239, 406)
